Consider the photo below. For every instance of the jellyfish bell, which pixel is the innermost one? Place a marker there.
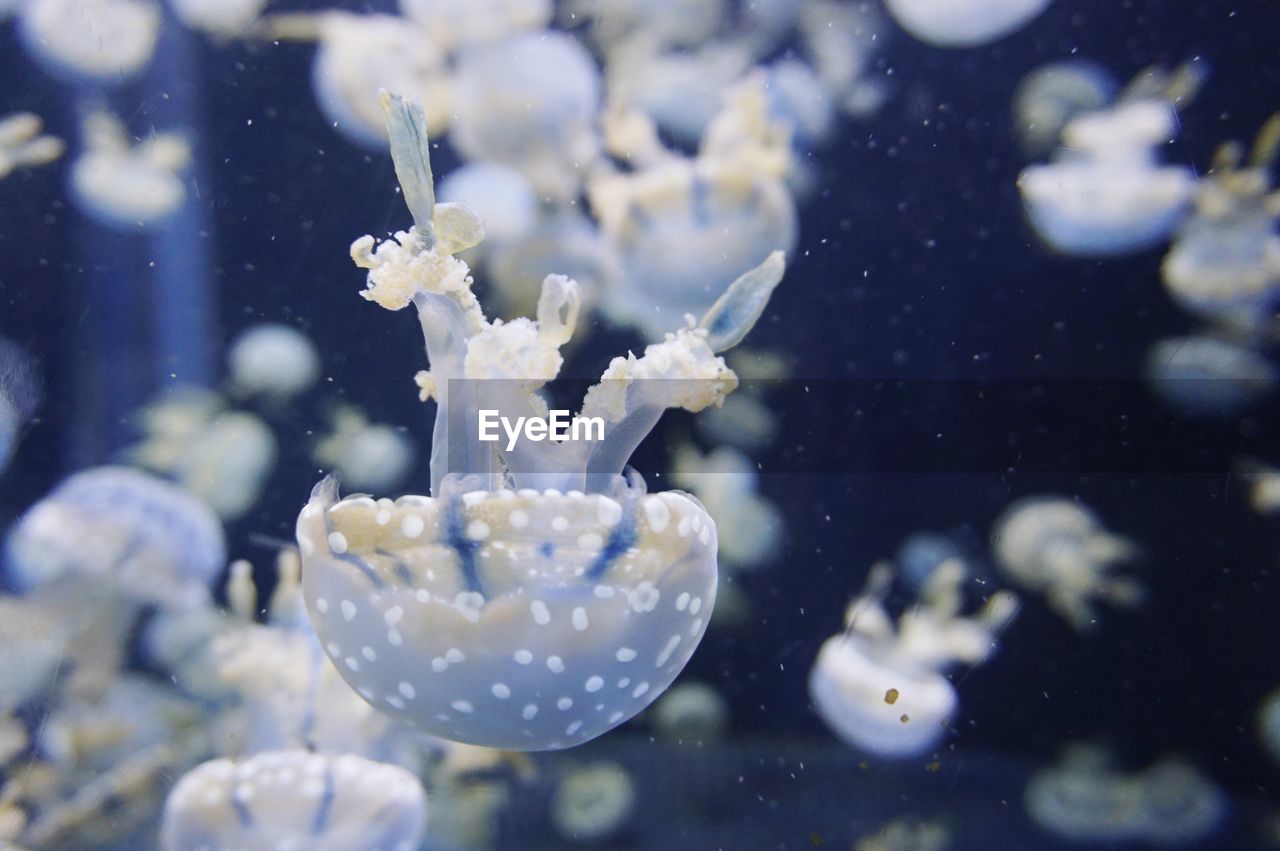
(1209, 375)
(536, 599)
(503, 197)
(593, 803)
(221, 19)
(1084, 798)
(295, 799)
(963, 23)
(273, 360)
(457, 23)
(1048, 98)
(124, 185)
(368, 456)
(100, 40)
(564, 242)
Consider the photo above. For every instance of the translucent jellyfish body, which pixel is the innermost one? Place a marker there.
(691, 712)
(1209, 375)
(1058, 548)
(23, 146)
(19, 396)
(223, 457)
(882, 689)
(504, 198)
(1105, 194)
(725, 482)
(221, 19)
(1048, 98)
(593, 803)
(842, 41)
(124, 185)
(273, 360)
(455, 23)
(367, 456)
(1225, 261)
(107, 40)
(535, 600)
(295, 799)
(529, 102)
(963, 23)
(31, 647)
(563, 242)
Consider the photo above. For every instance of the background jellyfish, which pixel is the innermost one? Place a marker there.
(274, 361)
(19, 397)
(880, 687)
(220, 19)
(366, 455)
(23, 146)
(691, 712)
(1224, 265)
(593, 802)
(1208, 375)
(562, 242)
(963, 23)
(1053, 546)
(537, 600)
(126, 185)
(751, 527)
(1048, 98)
(101, 40)
(457, 23)
(295, 799)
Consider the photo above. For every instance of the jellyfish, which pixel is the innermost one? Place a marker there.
(691, 711)
(907, 833)
(1208, 374)
(1224, 265)
(1180, 805)
(32, 644)
(1059, 548)
(98, 40)
(123, 185)
(593, 802)
(221, 19)
(537, 599)
(22, 145)
(924, 552)
(504, 198)
(529, 102)
(1048, 98)
(750, 527)
(457, 23)
(274, 361)
(665, 23)
(843, 41)
(1268, 724)
(963, 23)
(684, 229)
(223, 457)
(19, 397)
(360, 54)
(1105, 194)
(295, 799)
(880, 688)
(745, 420)
(564, 242)
(365, 455)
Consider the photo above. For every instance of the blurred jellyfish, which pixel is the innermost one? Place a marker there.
(367, 456)
(13, 741)
(19, 396)
(907, 834)
(684, 229)
(750, 527)
(664, 23)
(457, 23)
(564, 242)
(295, 799)
(1084, 798)
(537, 599)
(963, 23)
(1048, 98)
(360, 54)
(31, 649)
(1264, 485)
(1055, 547)
(102, 40)
(529, 102)
(1208, 375)
(503, 197)
(223, 457)
(1225, 262)
(842, 41)
(882, 689)
(221, 19)
(274, 361)
(924, 552)
(745, 420)
(123, 185)
(693, 712)
(23, 146)
(1268, 724)
(1105, 194)
(593, 803)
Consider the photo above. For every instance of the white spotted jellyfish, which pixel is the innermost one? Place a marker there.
(881, 688)
(963, 23)
(537, 599)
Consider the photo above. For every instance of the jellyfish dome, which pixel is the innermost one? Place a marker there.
(529, 102)
(365, 455)
(963, 23)
(1059, 548)
(221, 19)
(564, 242)
(1105, 195)
(692, 711)
(1048, 98)
(536, 599)
(1209, 375)
(593, 802)
(1225, 261)
(882, 690)
(23, 146)
(123, 185)
(295, 799)
(273, 360)
(456, 23)
(1084, 798)
(104, 40)
(504, 198)
(143, 535)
